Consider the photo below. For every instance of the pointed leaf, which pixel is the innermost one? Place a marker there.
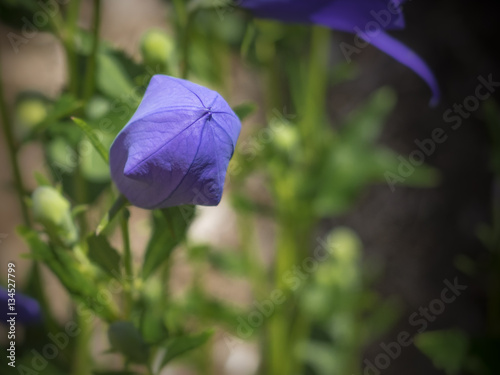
(125, 338)
(89, 132)
(180, 345)
(102, 254)
(244, 110)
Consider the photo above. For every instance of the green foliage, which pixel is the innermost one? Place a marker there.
(112, 79)
(71, 273)
(446, 349)
(312, 169)
(177, 346)
(169, 229)
(19, 14)
(338, 301)
(125, 338)
(102, 254)
(244, 110)
(89, 132)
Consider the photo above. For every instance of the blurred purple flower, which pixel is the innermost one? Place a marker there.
(368, 19)
(176, 148)
(27, 309)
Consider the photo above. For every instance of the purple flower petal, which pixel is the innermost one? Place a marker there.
(355, 16)
(338, 14)
(407, 57)
(27, 309)
(176, 148)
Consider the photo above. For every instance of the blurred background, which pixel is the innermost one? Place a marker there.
(415, 238)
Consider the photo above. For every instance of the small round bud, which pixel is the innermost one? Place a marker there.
(30, 112)
(49, 205)
(156, 47)
(286, 136)
(52, 210)
(345, 243)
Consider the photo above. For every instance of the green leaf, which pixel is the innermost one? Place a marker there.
(102, 254)
(63, 107)
(320, 357)
(125, 338)
(209, 309)
(61, 266)
(169, 229)
(228, 262)
(112, 78)
(364, 125)
(65, 266)
(93, 167)
(244, 110)
(118, 205)
(124, 372)
(15, 13)
(89, 132)
(41, 180)
(180, 345)
(446, 349)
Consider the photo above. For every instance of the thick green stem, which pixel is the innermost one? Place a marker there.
(279, 345)
(91, 62)
(82, 364)
(68, 38)
(289, 326)
(11, 149)
(313, 112)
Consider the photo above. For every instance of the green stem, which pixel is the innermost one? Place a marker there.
(183, 18)
(91, 62)
(11, 149)
(127, 260)
(82, 364)
(280, 323)
(289, 326)
(68, 39)
(120, 203)
(315, 92)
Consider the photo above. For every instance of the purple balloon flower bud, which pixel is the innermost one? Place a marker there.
(27, 309)
(176, 147)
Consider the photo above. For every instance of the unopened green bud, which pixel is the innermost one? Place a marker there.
(30, 112)
(286, 136)
(52, 210)
(345, 244)
(157, 47)
(344, 247)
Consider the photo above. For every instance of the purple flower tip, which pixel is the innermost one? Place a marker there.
(176, 147)
(369, 19)
(26, 308)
